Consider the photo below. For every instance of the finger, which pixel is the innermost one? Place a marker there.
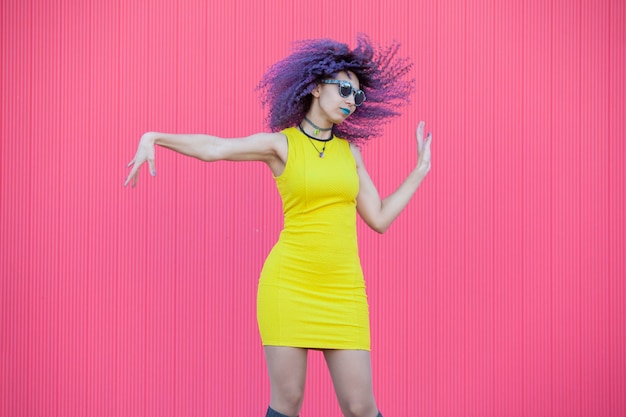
(420, 130)
(424, 150)
(134, 181)
(425, 154)
(151, 166)
(131, 175)
(130, 163)
(420, 135)
(128, 178)
(429, 139)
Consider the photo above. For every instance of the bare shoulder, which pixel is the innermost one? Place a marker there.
(356, 153)
(274, 142)
(270, 148)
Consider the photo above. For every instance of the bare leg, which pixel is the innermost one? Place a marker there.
(351, 372)
(287, 370)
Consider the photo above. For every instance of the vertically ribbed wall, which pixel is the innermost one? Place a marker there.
(500, 291)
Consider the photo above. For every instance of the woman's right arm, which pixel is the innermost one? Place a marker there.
(270, 148)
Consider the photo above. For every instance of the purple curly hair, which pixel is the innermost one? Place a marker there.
(286, 87)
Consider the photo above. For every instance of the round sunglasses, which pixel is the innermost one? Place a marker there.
(345, 89)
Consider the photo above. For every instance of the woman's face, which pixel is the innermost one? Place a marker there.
(337, 108)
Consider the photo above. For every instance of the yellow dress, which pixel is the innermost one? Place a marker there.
(311, 290)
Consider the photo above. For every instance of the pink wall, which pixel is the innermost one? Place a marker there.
(500, 291)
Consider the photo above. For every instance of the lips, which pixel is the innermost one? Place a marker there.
(345, 111)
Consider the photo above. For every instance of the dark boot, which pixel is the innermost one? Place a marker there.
(273, 413)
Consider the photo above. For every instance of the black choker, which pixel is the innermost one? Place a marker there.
(317, 128)
(311, 139)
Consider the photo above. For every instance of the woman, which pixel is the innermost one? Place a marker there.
(311, 291)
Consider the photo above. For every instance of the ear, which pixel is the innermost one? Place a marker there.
(317, 90)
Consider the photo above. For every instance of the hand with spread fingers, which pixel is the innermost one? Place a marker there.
(145, 153)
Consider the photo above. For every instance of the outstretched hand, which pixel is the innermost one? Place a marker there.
(423, 149)
(145, 152)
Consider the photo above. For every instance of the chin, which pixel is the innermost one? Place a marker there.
(341, 118)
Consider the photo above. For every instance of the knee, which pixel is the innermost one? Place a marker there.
(361, 408)
(293, 400)
(288, 400)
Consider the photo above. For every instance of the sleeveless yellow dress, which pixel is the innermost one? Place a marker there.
(311, 290)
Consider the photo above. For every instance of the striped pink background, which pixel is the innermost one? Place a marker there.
(500, 291)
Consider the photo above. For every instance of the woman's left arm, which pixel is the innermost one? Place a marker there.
(380, 213)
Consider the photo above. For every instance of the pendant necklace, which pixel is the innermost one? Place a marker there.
(312, 138)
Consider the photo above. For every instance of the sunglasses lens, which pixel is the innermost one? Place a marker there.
(345, 90)
(359, 97)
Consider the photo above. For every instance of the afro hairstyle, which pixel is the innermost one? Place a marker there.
(287, 85)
